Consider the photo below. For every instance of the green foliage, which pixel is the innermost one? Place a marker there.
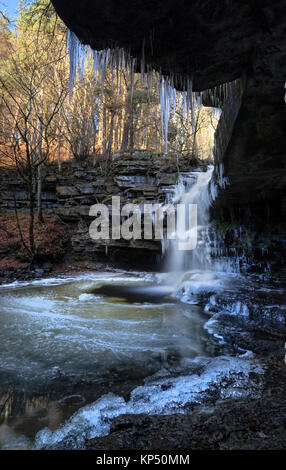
(223, 228)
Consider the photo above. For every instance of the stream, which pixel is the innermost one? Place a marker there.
(76, 352)
(63, 345)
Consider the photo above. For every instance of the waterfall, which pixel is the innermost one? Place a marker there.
(191, 272)
(202, 269)
(192, 189)
(225, 100)
(202, 189)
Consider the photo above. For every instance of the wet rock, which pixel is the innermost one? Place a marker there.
(124, 181)
(138, 177)
(67, 191)
(9, 195)
(85, 188)
(168, 179)
(245, 424)
(47, 267)
(72, 214)
(39, 272)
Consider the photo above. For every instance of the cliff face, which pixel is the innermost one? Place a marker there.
(214, 43)
(139, 177)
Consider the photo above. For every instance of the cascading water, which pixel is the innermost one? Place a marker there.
(198, 194)
(201, 189)
(204, 268)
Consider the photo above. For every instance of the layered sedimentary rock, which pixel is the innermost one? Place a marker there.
(139, 177)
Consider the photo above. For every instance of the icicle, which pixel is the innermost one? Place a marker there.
(166, 97)
(72, 46)
(183, 102)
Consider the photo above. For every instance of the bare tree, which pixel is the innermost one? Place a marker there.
(28, 103)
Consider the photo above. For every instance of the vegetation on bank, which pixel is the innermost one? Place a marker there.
(51, 239)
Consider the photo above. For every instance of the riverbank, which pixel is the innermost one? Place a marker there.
(216, 381)
(118, 355)
(51, 239)
(246, 423)
(232, 413)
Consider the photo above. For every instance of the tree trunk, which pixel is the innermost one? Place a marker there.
(39, 180)
(110, 137)
(31, 225)
(59, 150)
(133, 125)
(127, 122)
(126, 129)
(13, 134)
(39, 194)
(104, 130)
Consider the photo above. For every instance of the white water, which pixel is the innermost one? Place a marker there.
(69, 327)
(172, 391)
(204, 268)
(65, 331)
(64, 334)
(190, 193)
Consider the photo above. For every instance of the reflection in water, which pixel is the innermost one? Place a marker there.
(22, 415)
(66, 342)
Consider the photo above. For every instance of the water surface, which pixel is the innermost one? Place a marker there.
(64, 342)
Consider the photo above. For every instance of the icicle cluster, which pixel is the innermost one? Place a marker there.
(80, 55)
(186, 103)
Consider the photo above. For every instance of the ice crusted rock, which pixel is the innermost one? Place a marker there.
(204, 380)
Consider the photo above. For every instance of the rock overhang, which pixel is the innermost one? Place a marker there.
(212, 42)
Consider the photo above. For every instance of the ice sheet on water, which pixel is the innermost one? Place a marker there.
(117, 276)
(86, 297)
(161, 394)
